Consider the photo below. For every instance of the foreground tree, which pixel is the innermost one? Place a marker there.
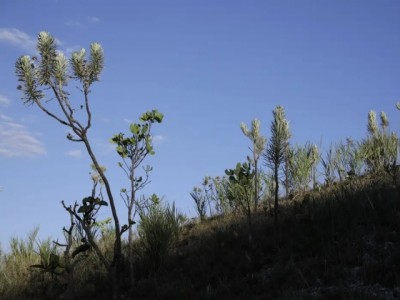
(277, 148)
(45, 79)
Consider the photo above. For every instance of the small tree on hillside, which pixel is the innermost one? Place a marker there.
(201, 201)
(204, 196)
(240, 190)
(276, 149)
(133, 150)
(258, 145)
(301, 162)
(350, 159)
(380, 148)
(328, 166)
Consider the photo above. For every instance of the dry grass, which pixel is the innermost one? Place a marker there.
(338, 243)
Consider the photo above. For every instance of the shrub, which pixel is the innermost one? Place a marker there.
(158, 228)
(16, 278)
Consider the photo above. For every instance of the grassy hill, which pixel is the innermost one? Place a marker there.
(342, 242)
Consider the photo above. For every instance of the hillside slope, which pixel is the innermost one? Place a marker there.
(339, 243)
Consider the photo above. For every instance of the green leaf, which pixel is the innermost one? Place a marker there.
(158, 116)
(232, 178)
(96, 200)
(121, 151)
(149, 146)
(145, 129)
(84, 209)
(229, 172)
(103, 203)
(88, 200)
(135, 128)
(145, 117)
(133, 140)
(154, 198)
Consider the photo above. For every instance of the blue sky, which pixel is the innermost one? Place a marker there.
(207, 65)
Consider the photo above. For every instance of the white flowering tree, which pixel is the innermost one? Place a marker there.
(45, 78)
(258, 146)
(277, 149)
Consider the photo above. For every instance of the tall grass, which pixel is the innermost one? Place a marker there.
(15, 273)
(158, 228)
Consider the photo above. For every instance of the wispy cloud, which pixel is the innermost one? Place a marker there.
(79, 24)
(94, 19)
(127, 120)
(17, 141)
(5, 118)
(4, 101)
(105, 120)
(75, 153)
(159, 139)
(17, 38)
(73, 23)
(20, 39)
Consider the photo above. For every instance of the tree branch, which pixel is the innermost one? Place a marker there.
(51, 114)
(89, 235)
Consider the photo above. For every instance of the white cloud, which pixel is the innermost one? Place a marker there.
(105, 120)
(73, 23)
(159, 139)
(17, 141)
(29, 118)
(22, 40)
(5, 118)
(18, 38)
(94, 19)
(75, 153)
(4, 101)
(78, 24)
(127, 120)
